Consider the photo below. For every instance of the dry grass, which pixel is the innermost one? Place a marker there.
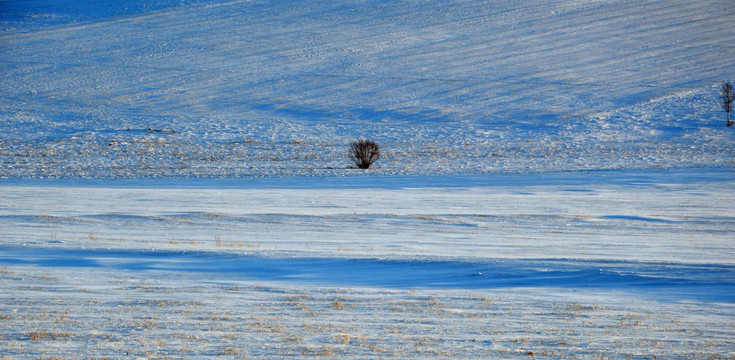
(261, 321)
(48, 336)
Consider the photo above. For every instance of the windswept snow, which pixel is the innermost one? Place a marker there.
(278, 88)
(680, 216)
(613, 265)
(556, 179)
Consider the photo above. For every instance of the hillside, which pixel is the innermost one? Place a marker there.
(278, 88)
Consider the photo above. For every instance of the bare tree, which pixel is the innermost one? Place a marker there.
(364, 153)
(727, 94)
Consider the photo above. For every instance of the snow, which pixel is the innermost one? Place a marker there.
(174, 181)
(279, 88)
(580, 216)
(617, 264)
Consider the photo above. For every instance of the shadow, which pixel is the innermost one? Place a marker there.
(657, 280)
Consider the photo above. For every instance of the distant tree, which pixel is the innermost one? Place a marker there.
(364, 152)
(727, 95)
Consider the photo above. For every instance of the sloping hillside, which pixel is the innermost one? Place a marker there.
(278, 88)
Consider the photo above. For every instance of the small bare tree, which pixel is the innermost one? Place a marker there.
(364, 152)
(727, 95)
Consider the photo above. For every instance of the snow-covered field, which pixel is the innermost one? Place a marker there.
(556, 179)
(612, 265)
(278, 88)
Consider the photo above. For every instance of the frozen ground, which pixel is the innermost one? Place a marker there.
(556, 179)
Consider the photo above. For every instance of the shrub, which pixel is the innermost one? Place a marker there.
(727, 95)
(364, 152)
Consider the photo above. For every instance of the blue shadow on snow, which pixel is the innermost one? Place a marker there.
(659, 280)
